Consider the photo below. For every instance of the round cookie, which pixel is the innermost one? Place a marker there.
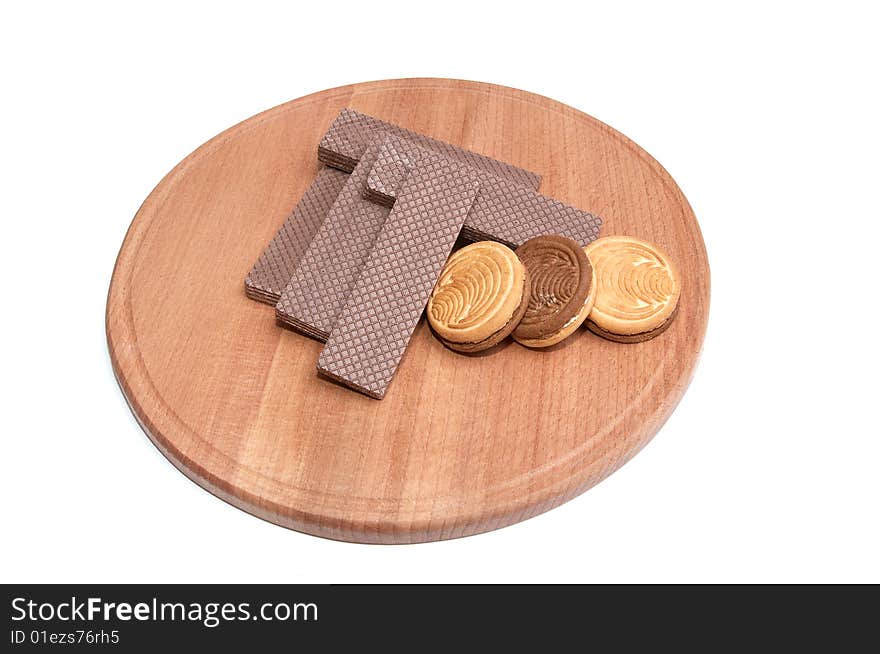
(561, 290)
(637, 289)
(480, 297)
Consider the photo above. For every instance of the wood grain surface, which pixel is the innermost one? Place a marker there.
(460, 444)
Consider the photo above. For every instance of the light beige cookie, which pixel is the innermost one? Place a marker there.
(480, 297)
(637, 289)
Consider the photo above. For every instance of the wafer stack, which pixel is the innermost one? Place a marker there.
(279, 260)
(356, 261)
(503, 211)
(348, 136)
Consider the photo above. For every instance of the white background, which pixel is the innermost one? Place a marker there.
(767, 116)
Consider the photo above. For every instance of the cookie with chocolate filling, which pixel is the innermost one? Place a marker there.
(479, 298)
(637, 289)
(561, 290)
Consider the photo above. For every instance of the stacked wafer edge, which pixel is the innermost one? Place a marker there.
(355, 262)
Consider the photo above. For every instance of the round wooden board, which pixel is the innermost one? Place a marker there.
(459, 445)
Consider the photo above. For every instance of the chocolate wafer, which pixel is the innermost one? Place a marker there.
(276, 264)
(391, 168)
(317, 289)
(341, 148)
(503, 211)
(347, 138)
(384, 306)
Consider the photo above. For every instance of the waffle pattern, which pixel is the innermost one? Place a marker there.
(513, 214)
(504, 212)
(341, 148)
(386, 302)
(317, 289)
(273, 269)
(347, 138)
(392, 167)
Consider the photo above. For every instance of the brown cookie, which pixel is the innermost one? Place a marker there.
(561, 290)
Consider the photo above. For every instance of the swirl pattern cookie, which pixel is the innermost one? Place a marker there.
(637, 289)
(479, 298)
(561, 290)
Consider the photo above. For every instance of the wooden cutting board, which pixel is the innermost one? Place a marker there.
(459, 445)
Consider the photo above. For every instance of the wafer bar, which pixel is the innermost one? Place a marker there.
(317, 289)
(384, 306)
(272, 271)
(391, 168)
(503, 211)
(348, 135)
(346, 140)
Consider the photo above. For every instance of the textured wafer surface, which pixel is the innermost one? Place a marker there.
(637, 285)
(560, 281)
(384, 306)
(512, 215)
(272, 271)
(347, 138)
(391, 168)
(318, 288)
(503, 211)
